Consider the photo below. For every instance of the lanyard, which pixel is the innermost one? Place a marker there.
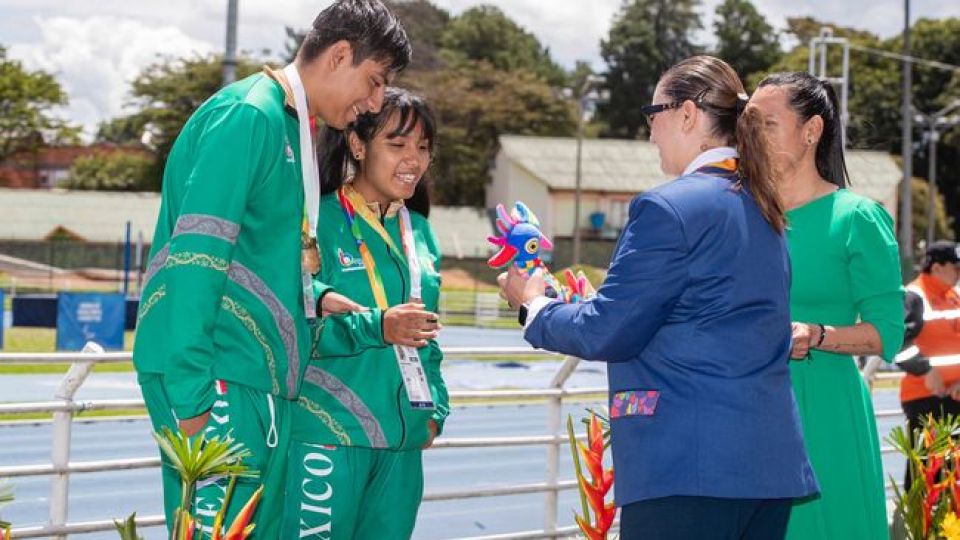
(308, 157)
(353, 205)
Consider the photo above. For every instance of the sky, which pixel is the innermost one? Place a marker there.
(95, 48)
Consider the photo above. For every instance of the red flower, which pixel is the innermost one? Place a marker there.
(242, 527)
(591, 532)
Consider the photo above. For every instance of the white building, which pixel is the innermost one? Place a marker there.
(541, 172)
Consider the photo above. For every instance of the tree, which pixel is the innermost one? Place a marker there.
(125, 130)
(647, 37)
(485, 33)
(943, 223)
(167, 93)
(474, 104)
(27, 100)
(744, 38)
(114, 171)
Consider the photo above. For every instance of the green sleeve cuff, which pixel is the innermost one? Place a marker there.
(190, 397)
(319, 289)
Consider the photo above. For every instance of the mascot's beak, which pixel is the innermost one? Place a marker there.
(503, 257)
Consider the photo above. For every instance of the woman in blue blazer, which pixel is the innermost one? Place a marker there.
(694, 322)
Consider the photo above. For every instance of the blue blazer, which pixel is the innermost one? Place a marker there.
(694, 321)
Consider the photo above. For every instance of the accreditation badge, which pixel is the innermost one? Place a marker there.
(414, 378)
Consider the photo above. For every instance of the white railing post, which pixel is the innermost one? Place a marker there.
(554, 421)
(62, 424)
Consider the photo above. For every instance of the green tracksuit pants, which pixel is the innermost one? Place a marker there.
(254, 418)
(351, 493)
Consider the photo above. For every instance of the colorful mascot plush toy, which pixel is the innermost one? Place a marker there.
(520, 243)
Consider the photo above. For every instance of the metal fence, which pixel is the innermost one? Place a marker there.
(63, 408)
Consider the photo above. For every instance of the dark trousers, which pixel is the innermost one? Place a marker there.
(705, 518)
(917, 410)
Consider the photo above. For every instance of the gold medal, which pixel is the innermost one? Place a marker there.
(309, 254)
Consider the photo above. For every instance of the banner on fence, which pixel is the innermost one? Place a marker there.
(83, 317)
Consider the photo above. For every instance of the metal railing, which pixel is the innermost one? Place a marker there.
(64, 409)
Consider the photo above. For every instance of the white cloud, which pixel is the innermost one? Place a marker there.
(96, 58)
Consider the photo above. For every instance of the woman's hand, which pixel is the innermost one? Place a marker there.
(803, 335)
(517, 289)
(334, 303)
(410, 325)
(433, 428)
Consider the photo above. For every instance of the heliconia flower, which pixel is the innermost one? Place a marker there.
(188, 526)
(594, 496)
(605, 518)
(591, 532)
(593, 460)
(606, 481)
(242, 527)
(595, 435)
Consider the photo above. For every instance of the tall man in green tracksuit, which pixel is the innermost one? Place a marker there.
(226, 311)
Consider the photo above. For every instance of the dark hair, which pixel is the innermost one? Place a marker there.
(715, 88)
(373, 31)
(810, 96)
(334, 156)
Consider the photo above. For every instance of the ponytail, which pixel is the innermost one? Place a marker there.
(830, 160)
(716, 89)
(756, 166)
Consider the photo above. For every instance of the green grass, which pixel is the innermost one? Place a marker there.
(88, 414)
(20, 339)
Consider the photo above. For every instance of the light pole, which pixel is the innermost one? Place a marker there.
(586, 97)
(906, 199)
(935, 124)
(230, 52)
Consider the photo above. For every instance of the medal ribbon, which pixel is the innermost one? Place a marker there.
(353, 206)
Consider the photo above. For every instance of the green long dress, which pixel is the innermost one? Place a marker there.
(845, 269)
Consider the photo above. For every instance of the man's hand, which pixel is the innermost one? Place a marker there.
(433, 428)
(192, 426)
(953, 392)
(517, 289)
(802, 334)
(337, 303)
(410, 325)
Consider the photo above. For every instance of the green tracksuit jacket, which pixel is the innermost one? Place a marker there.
(353, 394)
(223, 291)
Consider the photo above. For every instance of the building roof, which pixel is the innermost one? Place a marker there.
(91, 216)
(100, 216)
(627, 166)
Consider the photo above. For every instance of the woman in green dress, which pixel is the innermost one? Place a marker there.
(845, 299)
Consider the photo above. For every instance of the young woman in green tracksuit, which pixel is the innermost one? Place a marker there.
(373, 396)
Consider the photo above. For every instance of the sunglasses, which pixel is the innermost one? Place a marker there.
(649, 111)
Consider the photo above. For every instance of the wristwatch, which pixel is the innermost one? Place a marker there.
(522, 315)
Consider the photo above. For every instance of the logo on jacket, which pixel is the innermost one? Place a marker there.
(348, 262)
(288, 151)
